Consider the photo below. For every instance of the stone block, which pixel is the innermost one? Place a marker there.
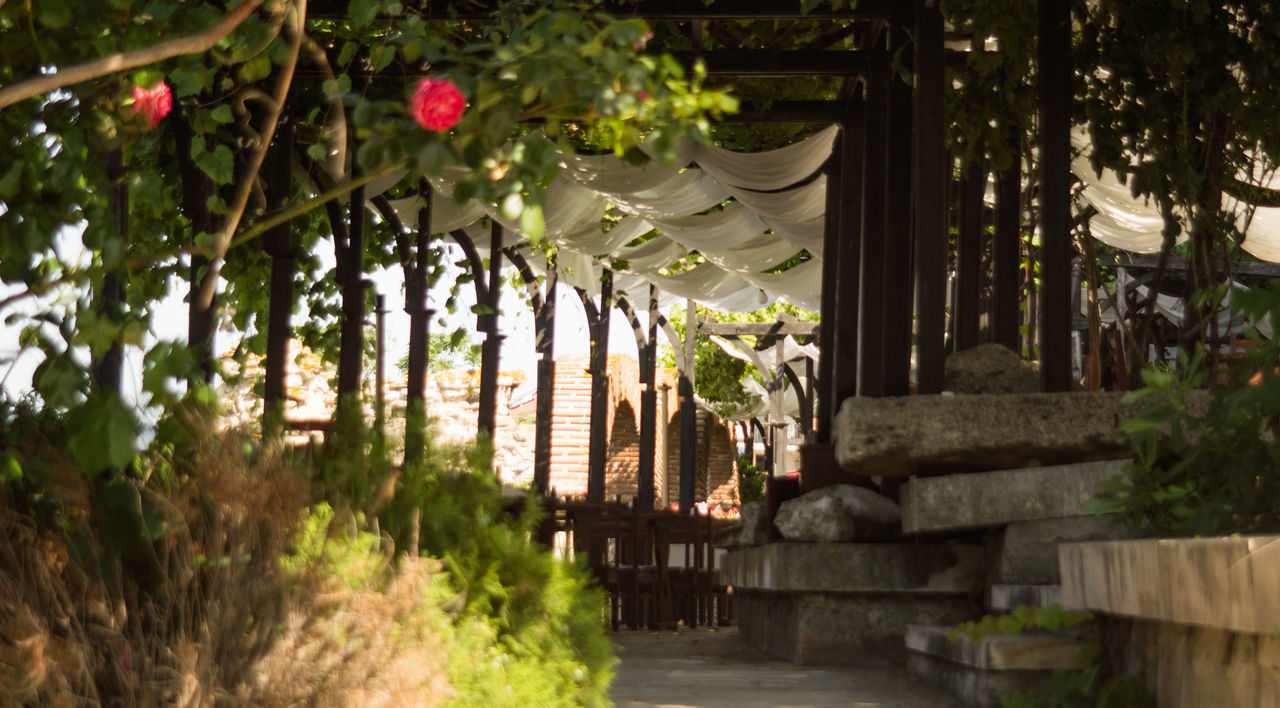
(990, 368)
(1226, 583)
(856, 568)
(906, 435)
(980, 672)
(1006, 597)
(987, 499)
(1026, 552)
(836, 513)
(834, 628)
(1187, 666)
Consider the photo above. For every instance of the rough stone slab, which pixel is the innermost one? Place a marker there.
(1227, 583)
(856, 568)
(836, 628)
(996, 652)
(906, 435)
(1026, 552)
(986, 499)
(990, 368)
(1007, 597)
(838, 513)
(980, 673)
(753, 528)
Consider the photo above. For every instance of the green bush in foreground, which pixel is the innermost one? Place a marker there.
(543, 617)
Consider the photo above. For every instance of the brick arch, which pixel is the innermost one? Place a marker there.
(715, 461)
(622, 457)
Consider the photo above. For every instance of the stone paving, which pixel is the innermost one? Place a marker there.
(707, 667)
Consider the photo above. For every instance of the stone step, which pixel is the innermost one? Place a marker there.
(1026, 552)
(992, 499)
(978, 672)
(1006, 597)
(850, 603)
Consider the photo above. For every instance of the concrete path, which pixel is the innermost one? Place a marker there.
(697, 668)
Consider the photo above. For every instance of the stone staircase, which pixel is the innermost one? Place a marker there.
(1022, 515)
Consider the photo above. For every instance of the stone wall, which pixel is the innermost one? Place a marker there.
(715, 462)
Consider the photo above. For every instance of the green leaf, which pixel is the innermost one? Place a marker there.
(219, 164)
(531, 221)
(11, 180)
(222, 114)
(186, 81)
(102, 433)
(362, 12)
(256, 68)
(54, 13)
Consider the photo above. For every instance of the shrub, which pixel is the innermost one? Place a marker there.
(1206, 470)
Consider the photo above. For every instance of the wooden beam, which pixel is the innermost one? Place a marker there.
(1180, 265)
(829, 312)
(895, 333)
(759, 329)
(490, 349)
(762, 63)
(688, 410)
(874, 234)
(1006, 253)
(930, 172)
(1055, 207)
(969, 275)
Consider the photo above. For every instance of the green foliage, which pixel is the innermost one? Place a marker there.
(1088, 685)
(448, 351)
(718, 377)
(546, 615)
(1202, 469)
(750, 480)
(1050, 618)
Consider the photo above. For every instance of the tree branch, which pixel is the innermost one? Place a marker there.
(124, 61)
(285, 79)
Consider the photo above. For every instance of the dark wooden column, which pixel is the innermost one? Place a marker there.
(874, 192)
(646, 349)
(830, 312)
(415, 305)
(688, 409)
(895, 333)
(844, 351)
(598, 327)
(544, 342)
(110, 301)
(1055, 156)
(930, 171)
(278, 244)
(490, 349)
(969, 274)
(1006, 284)
(196, 189)
(349, 248)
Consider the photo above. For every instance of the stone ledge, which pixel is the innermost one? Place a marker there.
(840, 628)
(987, 499)
(856, 568)
(1009, 597)
(1226, 583)
(996, 652)
(902, 436)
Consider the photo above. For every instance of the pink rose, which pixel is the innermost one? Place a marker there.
(154, 103)
(437, 104)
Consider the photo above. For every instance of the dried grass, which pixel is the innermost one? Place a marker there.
(208, 616)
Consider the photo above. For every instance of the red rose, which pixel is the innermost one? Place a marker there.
(437, 104)
(154, 103)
